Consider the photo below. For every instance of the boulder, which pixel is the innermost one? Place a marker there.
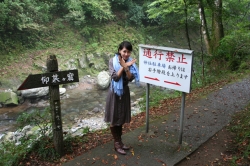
(8, 98)
(103, 80)
(83, 62)
(39, 92)
(132, 93)
(62, 91)
(96, 110)
(90, 57)
(35, 92)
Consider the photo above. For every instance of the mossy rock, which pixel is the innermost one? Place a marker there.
(8, 98)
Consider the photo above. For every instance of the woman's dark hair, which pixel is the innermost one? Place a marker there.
(125, 44)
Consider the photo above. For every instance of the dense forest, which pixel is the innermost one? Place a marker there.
(217, 30)
(223, 26)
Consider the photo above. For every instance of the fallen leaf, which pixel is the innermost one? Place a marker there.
(104, 162)
(115, 157)
(132, 151)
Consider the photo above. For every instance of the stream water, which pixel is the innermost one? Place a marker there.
(82, 102)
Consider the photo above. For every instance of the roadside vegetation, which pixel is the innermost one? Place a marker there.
(240, 127)
(32, 30)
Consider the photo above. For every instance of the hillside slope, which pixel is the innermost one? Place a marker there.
(88, 54)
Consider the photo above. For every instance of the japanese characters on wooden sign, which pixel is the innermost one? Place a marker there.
(166, 67)
(57, 113)
(53, 78)
(48, 79)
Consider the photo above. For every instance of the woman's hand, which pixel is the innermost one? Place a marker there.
(126, 64)
(130, 63)
(122, 62)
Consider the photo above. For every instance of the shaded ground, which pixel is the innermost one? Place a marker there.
(227, 147)
(216, 151)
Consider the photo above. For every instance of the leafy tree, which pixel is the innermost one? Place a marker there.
(76, 14)
(172, 13)
(23, 15)
(80, 11)
(210, 12)
(168, 8)
(236, 14)
(21, 23)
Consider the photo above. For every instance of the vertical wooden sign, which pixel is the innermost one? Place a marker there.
(53, 78)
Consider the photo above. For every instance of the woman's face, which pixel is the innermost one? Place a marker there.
(125, 53)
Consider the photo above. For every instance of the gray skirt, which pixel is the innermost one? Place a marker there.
(118, 109)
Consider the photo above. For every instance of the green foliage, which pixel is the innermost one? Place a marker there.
(36, 118)
(120, 4)
(43, 147)
(76, 13)
(11, 154)
(161, 8)
(23, 15)
(85, 130)
(136, 14)
(81, 11)
(99, 10)
(45, 150)
(105, 39)
(70, 142)
(22, 23)
(40, 147)
(170, 14)
(59, 6)
(234, 50)
(235, 14)
(130, 12)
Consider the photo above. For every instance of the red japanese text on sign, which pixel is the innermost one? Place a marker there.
(166, 67)
(147, 53)
(170, 56)
(158, 53)
(181, 59)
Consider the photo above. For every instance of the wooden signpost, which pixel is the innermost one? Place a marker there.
(53, 79)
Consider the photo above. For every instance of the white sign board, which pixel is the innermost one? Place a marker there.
(166, 67)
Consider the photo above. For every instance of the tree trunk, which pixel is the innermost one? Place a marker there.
(204, 27)
(186, 24)
(217, 26)
(217, 33)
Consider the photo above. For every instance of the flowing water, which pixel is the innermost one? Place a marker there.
(84, 101)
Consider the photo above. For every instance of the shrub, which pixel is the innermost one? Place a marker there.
(234, 49)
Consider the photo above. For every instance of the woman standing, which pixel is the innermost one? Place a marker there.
(123, 70)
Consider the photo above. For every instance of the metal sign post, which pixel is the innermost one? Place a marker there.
(182, 116)
(167, 67)
(147, 108)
